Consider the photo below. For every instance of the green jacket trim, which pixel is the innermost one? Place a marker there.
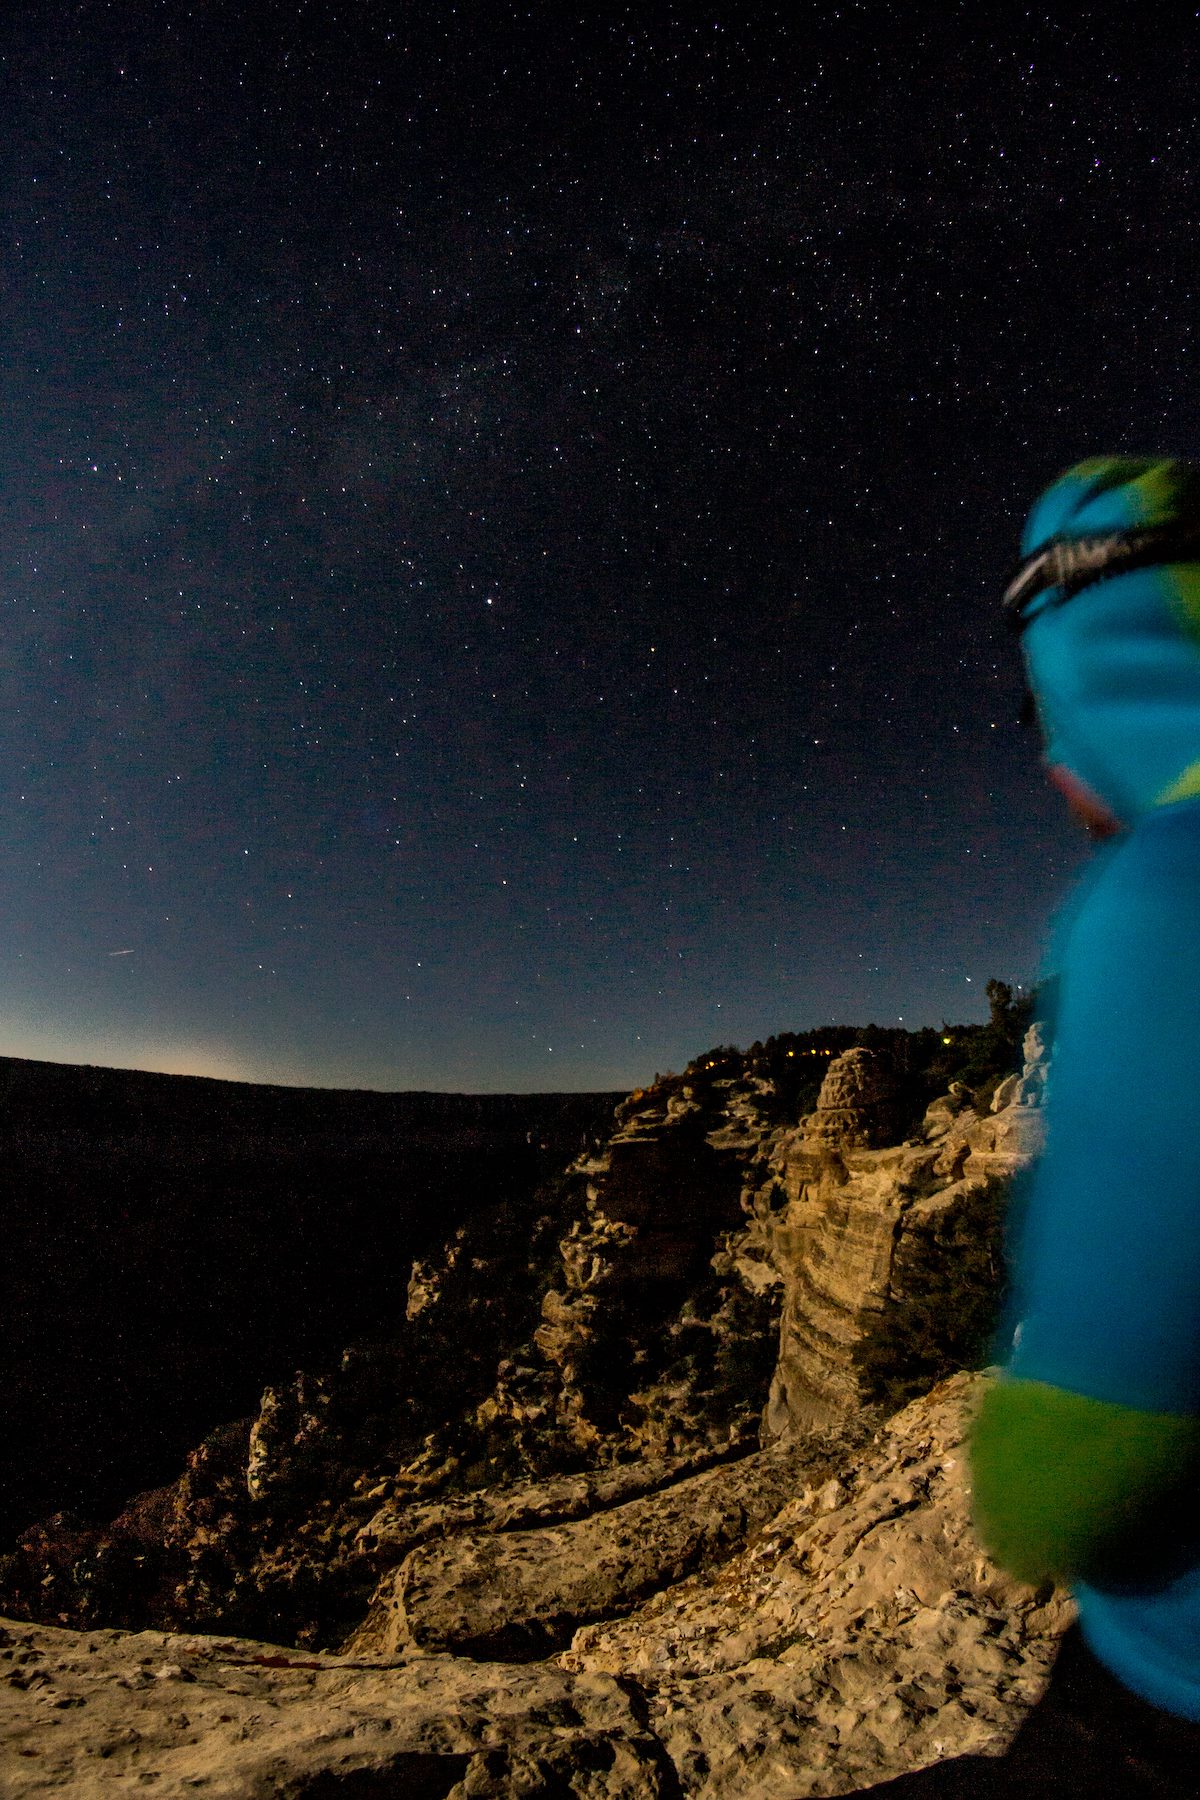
(1067, 1488)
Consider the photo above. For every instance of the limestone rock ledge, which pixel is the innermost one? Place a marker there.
(111, 1712)
(521, 1593)
(864, 1633)
(861, 1634)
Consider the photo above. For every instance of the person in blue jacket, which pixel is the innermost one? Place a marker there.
(1086, 1452)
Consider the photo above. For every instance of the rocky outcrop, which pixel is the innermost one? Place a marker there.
(838, 1219)
(633, 1323)
(834, 1245)
(522, 1593)
(626, 1422)
(941, 1113)
(1029, 1087)
(703, 1279)
(860, 1634)
(863, 1634)
(110, 1712)
(859, 1104)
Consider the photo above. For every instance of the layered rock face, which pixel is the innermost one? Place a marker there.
(858, 1105)
(838, 1217)
(627, 1428)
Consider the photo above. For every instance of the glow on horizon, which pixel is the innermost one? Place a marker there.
(80, 1048)
(153, 1057)
(216, 1064)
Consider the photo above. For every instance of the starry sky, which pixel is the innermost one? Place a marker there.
(503, 511)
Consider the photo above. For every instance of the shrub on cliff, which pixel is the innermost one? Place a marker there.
(947, 1295)
(978, 1056)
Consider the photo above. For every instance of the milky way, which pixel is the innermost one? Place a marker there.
(503, 514)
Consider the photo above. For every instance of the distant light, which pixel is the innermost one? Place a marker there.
(945, 1040)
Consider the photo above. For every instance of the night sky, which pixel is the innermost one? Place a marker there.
(503, 512)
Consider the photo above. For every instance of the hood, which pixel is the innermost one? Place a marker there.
(1115, 671)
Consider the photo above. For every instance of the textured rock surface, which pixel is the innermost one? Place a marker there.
(840, 1235)
(864, 1633)
(860, 1635)
(633, 1323)
(521, 1593)
(108, 1712)
(395, 1529)
(859, 1102)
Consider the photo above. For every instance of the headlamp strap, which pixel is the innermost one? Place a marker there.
(1068, 565)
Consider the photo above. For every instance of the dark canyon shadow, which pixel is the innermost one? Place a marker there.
(172, 1243)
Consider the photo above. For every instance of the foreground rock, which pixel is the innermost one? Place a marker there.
(522, 1593)
(861, 1635)
(102, 1712)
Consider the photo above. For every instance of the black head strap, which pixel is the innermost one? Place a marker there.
(1067, 565)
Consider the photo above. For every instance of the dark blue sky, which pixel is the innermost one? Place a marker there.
(502, 518)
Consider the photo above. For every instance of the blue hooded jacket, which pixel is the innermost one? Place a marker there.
(1087, 1452)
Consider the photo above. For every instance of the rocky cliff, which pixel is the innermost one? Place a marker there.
(617, 1501)
(843, 1212)
(861, 1633)
(173, 1242)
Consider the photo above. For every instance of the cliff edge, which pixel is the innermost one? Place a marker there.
(617, 1507)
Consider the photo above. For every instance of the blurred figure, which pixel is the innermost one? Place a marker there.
(1086, 1454)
